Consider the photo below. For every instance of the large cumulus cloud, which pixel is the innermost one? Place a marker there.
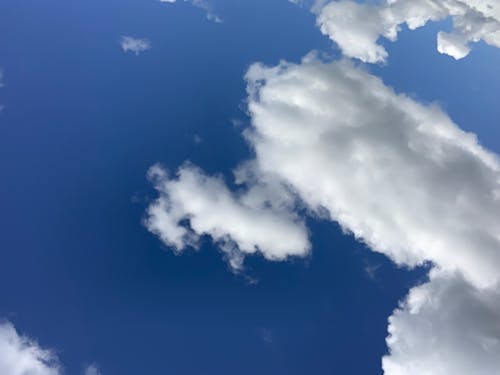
(399, 175)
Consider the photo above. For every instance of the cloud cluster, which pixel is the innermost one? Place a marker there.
(192, 204)
(20, 355)
(357, 27)
(445, 326)
(134, 45)
(398, 174)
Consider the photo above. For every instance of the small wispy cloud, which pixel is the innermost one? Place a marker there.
(92, 370)
(135, 45)
(266, 335)
(202, 4)
(371, 269)
(197, 139)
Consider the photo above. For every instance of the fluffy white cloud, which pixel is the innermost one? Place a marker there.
(20, 355)
(403, 178)
(357, 27)
(135, 45)
(399, 175)
(202, 4)
(445, 326)
(192, 204)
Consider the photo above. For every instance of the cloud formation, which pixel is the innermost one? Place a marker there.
(399, 175)
(405, 180)
(192, 204)
(134, 45)
(445, 326)
(357, 27)
(20, 355)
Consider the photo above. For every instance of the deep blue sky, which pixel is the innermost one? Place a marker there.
(82, 123)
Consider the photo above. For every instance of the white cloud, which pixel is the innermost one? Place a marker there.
(357, 27)
(399, 175)
(242, 223)
(202, 4)
(20, 355)
(135, 45)
(445, 326)
(92, 370)
(403, 178)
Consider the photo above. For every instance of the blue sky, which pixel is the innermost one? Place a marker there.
(83, 121)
